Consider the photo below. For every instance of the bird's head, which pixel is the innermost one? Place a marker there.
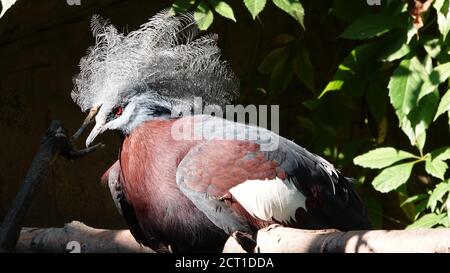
(150, 73)
(125, 114)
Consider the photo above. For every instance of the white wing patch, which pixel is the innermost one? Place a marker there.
(270, 199)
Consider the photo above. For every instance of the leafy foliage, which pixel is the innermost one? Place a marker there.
(370, 85)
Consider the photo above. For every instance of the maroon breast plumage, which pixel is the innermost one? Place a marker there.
(192, 194)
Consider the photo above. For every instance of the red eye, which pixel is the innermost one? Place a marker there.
(117, 111)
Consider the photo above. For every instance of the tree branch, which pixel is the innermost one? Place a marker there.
(271, 240)
(54, 143)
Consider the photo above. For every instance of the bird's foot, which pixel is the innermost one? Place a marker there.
(272, 226)
(246, 240)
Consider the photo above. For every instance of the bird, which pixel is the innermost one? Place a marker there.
(179, 193)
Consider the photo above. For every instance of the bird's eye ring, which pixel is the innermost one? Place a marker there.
(118, 111)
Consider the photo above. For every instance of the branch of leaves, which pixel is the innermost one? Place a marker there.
(397, 167)
(413, 91)
(203, 9)
(438, 203)
(396, 171)
(285, 61)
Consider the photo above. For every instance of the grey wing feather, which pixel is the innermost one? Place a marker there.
(342, 208)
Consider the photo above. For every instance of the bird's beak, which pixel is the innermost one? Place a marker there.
(98, 129)
(87, 121)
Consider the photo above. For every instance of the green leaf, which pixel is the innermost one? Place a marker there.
(416, 123)
(442, 153)
(405, 85)
(381, 157)
(443, 16)
(414, 198)
(396, 48)
(274, 57)
(427, 221)
(293, 8)
(436, 168)
(433, 47)
(445, 221)
(438, 194)
(404, 88)
(255, 6)
(203, 16)
(409, 209)
(223, 9)
(393, 177)
(444, 105)
(180, 6)
(369, 26)
(437, 76)
(333, 85)
(304, 69)
(353, 73)
(428, 64)
(420, 207)
(281, 76)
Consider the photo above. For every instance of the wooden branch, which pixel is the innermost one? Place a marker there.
(272, 240)
(333, 241)
(77, 237)
(54, 143)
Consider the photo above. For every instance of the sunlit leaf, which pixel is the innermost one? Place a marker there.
(223, 9)
(404, 88)
(444, 105)
(405, 85)
(443, 16)
(442, 153)
(203, 16)
(416, 123)
(255, 6)
(414, 198)
(427, 221)
(438, 75)
(393, 177)
(433, 47)
(353, 73)
(436, 168)
(381, 157)
(293, 8)
(438, 194)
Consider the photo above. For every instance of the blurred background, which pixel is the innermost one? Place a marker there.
(333, 66)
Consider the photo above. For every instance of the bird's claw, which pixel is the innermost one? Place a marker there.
(71, 153)
(272, 227)
(245, 240)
